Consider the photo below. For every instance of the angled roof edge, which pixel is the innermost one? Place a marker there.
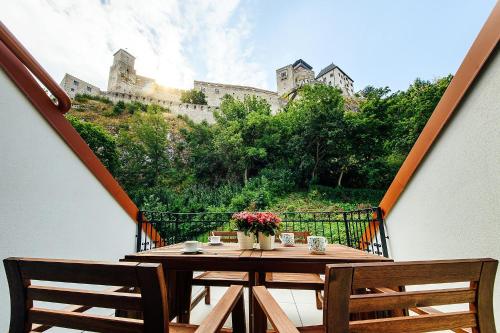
(329, 68)
(16, 69)
(123, 50)
(302, 62)
(483, 46)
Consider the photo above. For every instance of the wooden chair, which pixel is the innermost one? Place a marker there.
(151, 301)
(369, 288)
(272, 280)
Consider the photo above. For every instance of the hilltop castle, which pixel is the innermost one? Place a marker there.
(124, 84)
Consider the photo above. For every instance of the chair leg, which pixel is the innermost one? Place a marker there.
(259, 317)
(319, 300)
(201, 295)
(238, 316)
(207, 295)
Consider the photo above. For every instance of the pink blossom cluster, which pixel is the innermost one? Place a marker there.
(262, 218)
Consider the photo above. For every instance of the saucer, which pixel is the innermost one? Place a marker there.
(184, 251)
(215, 244)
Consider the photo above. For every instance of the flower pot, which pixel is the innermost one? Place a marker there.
(245, 241)
(266, 242)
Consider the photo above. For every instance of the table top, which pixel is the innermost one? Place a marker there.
(229, 257)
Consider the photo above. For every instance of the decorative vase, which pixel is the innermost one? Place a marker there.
(266, 242)
(245, 241)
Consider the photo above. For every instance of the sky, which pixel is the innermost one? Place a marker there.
(376, 42)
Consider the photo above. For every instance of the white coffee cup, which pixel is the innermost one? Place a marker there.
(316, 244)
(287, 238)
(191, 246)
(214, 239)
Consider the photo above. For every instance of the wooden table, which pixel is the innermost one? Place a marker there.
(179, 268)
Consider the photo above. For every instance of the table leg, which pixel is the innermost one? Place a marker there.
(180, 284)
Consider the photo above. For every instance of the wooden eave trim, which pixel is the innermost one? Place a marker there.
(17, 71)
(21, 53)
(476, 57)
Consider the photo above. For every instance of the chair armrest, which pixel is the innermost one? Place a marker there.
(218, 316)
(273, 312)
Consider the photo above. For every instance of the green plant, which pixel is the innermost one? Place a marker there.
(266, 223)
(193, 96)
(135, 106)
(85, 97)
(119, 108)
(100, 141)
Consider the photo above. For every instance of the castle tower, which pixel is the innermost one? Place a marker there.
(122, 72)
(292, 76)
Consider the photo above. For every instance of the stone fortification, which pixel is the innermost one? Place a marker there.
(196, 112)
(73, 85)
(124, 84)
(215, 91)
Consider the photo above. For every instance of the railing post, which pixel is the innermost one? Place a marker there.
(139, 232)
(347, 233)
(381, 229)
(176, 234)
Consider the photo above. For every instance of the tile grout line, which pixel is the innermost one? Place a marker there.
(297, 308)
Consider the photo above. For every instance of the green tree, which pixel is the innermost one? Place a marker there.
(100, 141)
(145, 151)
(240, 133)
(193, 96)
(318, 138)
(202, 160)
(411, 109)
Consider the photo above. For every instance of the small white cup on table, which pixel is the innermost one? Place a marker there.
(214, 239)
(316, 244)
(191, 246)
(287, 239)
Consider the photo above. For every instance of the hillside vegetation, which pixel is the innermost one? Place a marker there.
(322, 152)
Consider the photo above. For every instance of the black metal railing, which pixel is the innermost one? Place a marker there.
(360, 229)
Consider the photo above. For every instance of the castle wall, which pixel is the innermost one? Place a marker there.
(197, 113)
(73, 85)
(215, 91)
(124, 84)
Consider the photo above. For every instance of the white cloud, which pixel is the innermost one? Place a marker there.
(174, 41)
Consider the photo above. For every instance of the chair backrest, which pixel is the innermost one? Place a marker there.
(376, 287)
(300, 237)
(149, 278)
(226, 236)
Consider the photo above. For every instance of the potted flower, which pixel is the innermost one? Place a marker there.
(267, 224)
(245, 226)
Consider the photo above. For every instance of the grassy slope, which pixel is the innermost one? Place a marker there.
(102, 114)
(321, 200)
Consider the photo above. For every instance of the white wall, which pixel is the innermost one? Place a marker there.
(50, 204)
(451, 207)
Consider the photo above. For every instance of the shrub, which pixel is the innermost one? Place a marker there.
(135, 106)
(155, 108)
(119, 108)
(349, 195)
(85, 97)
